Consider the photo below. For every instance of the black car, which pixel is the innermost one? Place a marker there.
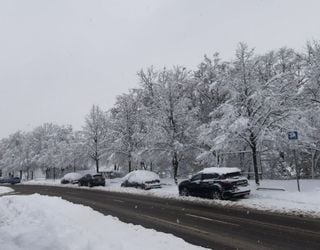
(92, 180)
(10, 180)
(216, 183)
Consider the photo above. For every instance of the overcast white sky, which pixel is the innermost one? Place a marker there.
(58, 57)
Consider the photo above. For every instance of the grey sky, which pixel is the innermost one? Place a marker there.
(57, 58)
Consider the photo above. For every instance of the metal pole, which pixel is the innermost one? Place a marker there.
(297, 169)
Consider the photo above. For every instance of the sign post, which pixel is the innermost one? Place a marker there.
(293, 138)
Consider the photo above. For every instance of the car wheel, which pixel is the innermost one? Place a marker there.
(184, 192)
(216, 195)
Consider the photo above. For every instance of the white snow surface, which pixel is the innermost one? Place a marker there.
(5, 190)
(219, 170)
(36, 222)
(290, 201)
(141, 176)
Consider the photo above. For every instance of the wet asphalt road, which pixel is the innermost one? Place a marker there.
(214, 227)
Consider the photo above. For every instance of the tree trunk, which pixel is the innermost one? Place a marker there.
(313, 163)
(249, 170)
(175, 165)
(97, 165)
(129, 164)
(255, 162)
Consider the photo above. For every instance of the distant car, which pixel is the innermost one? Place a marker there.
(92, 180)
(141, 179)
(113, 174)
(216, 183)
(10, 180)
(71, 178)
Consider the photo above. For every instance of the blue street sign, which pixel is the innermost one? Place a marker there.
(293, 135)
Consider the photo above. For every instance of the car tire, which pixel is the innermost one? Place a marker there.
(216, 195)
(184, 192)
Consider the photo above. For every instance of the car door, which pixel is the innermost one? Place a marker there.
(194, 186)
(86, 179)
(207, 183)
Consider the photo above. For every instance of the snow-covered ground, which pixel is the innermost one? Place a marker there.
(290, 201)
(5, 190)
(36, 222)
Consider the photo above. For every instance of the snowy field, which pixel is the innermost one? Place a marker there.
(36, 222)
(290, 201)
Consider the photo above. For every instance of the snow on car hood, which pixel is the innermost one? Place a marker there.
(141, 176)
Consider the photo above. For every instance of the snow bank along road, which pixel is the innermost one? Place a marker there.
(208, 226)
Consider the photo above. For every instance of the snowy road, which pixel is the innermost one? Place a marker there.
(208, 226)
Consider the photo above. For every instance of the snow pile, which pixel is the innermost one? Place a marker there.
(40, 222)
(289, 201)
(141, 176)
(43, 181)
(5, 190)
(306, 202)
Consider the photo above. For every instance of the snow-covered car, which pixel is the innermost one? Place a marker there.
(71, 178)
(141, 179)
(216, 183)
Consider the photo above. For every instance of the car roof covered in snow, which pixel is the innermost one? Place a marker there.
(141, 176)
(219, 170)
(72, 176)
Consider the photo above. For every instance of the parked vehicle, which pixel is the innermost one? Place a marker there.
(92, 180)
(71, 178)
(141, 179)
(10, 180)
(216, 183)
(113, 174)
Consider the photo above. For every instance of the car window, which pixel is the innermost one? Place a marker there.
(196, 177)
(230, 175)
(209, 176)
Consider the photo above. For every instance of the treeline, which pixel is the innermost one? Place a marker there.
(224, 113)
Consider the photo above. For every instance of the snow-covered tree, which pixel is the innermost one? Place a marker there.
(171, 117)
(95, 133)
(127, 128)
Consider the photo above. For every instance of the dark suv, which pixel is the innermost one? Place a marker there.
(216, 183)
(10, 180)
(92, 180)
